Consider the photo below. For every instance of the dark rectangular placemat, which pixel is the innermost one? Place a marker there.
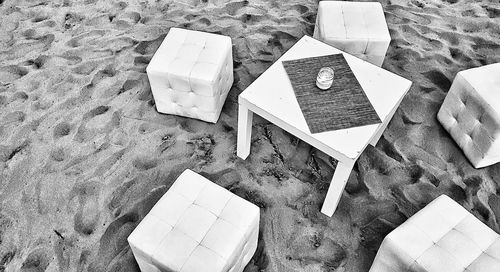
(342, 106)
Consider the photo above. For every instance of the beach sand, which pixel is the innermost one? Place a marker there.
(84, 154)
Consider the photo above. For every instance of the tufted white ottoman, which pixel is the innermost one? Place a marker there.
(196, 226)
(442, 237)
(358, 28)
(471, 114)
(191, 74)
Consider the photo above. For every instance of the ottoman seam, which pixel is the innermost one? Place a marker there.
(196, 61)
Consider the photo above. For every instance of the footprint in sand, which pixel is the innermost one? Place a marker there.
(113, 247)
(3, 100)
(87, 216)
(95, 112)
(58, 154)
(86, 68)
(15, 117)
(301, 9)
(149, 47)
(140, 63)
(121, 196)
(144, 164)
(72, 20)
(71, 58)
(233, 7)
(107, 72)
(128, 85)
(109, 163)
(37, 260)
(438, 78)
(9, 152)
(39, 18)
(62, 129)
(18, 96)
(38, 62)
(131, 17)
(493, 13)
(97, 121)
(29, 33)
(6, 258)
(11, 73)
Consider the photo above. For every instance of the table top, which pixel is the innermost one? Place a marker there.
(271, 95)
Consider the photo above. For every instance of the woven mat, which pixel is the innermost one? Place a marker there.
(342, 106)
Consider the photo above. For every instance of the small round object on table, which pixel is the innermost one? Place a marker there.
(325, 78)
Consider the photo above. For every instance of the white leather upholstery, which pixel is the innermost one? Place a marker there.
(442, 237)
(196, 226)
(358, 28)
(471, 114)
(191, 74)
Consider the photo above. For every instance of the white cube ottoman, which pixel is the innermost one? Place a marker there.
(442, 237)
(196, 226)
(191, 74)
(471, 114)
(358, 28)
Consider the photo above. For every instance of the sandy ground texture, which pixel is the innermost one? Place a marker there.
(84, 155)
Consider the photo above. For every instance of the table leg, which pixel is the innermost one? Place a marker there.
(245, 117)
(339, 180)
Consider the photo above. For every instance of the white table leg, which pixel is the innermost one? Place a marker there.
(337, 186)
(245, 117)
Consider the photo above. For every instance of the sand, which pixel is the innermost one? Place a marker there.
(84, 155)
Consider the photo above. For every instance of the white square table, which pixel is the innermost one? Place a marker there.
(272, 97)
